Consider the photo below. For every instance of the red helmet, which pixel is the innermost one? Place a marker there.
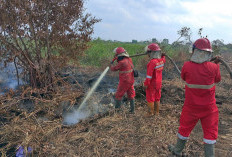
(203, 44)
(152, 47)
(119, 50)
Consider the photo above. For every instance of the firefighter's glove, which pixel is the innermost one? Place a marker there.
(163, 54)
(115, 58)
(217, 59)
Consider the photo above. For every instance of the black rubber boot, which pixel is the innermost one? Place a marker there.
(209, 150)
(132, 106)
(117, 104)
(177, 149)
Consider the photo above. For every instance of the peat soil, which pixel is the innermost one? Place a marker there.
(125, 135)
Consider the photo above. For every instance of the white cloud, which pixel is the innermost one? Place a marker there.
(209, 12)
(136, 18)
(209, 7)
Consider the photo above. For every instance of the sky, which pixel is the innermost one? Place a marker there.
(125, 20)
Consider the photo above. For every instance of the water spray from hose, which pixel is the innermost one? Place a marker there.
(93, 88)
(76, 115)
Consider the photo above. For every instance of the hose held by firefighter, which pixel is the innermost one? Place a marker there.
(200, 76)
(126, 77)
(153, 82)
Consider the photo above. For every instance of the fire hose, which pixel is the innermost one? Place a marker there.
(214, 58)
(141, 54)
(224, 64)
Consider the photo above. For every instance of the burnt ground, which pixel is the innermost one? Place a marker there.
(123, 134)
(119, 133)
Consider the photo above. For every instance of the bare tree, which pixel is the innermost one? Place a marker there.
(200, 33)
(186, 33)
(44, 35)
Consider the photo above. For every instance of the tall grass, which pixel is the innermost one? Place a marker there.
(101, 51)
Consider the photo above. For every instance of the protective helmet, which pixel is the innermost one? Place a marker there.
(203, 44)
(152, 47)
(119, 50)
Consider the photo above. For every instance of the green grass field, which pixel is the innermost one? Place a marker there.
(101, 51)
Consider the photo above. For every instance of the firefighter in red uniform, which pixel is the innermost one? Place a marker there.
(200, 77)
(126, 77)
(153, 80)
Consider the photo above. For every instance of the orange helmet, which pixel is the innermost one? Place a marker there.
(203, 44)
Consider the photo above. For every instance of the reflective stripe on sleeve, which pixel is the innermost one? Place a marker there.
(200, 86)
(209, 141)
(129, 71)
(182, 137)
(159, 66)
(149, 77)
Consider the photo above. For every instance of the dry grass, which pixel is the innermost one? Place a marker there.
(116, 134)
(22, 126)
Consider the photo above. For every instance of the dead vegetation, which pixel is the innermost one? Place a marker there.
(31, 116)
(108, 134)
(112, 134)
(42, 37)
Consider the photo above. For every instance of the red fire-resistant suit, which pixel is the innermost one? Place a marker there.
(126, 78)
(200, 102)
(154, 79)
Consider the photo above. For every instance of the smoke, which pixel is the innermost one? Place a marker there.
(8, 77)
(95, 105)
(85, 109)
(75, 116)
